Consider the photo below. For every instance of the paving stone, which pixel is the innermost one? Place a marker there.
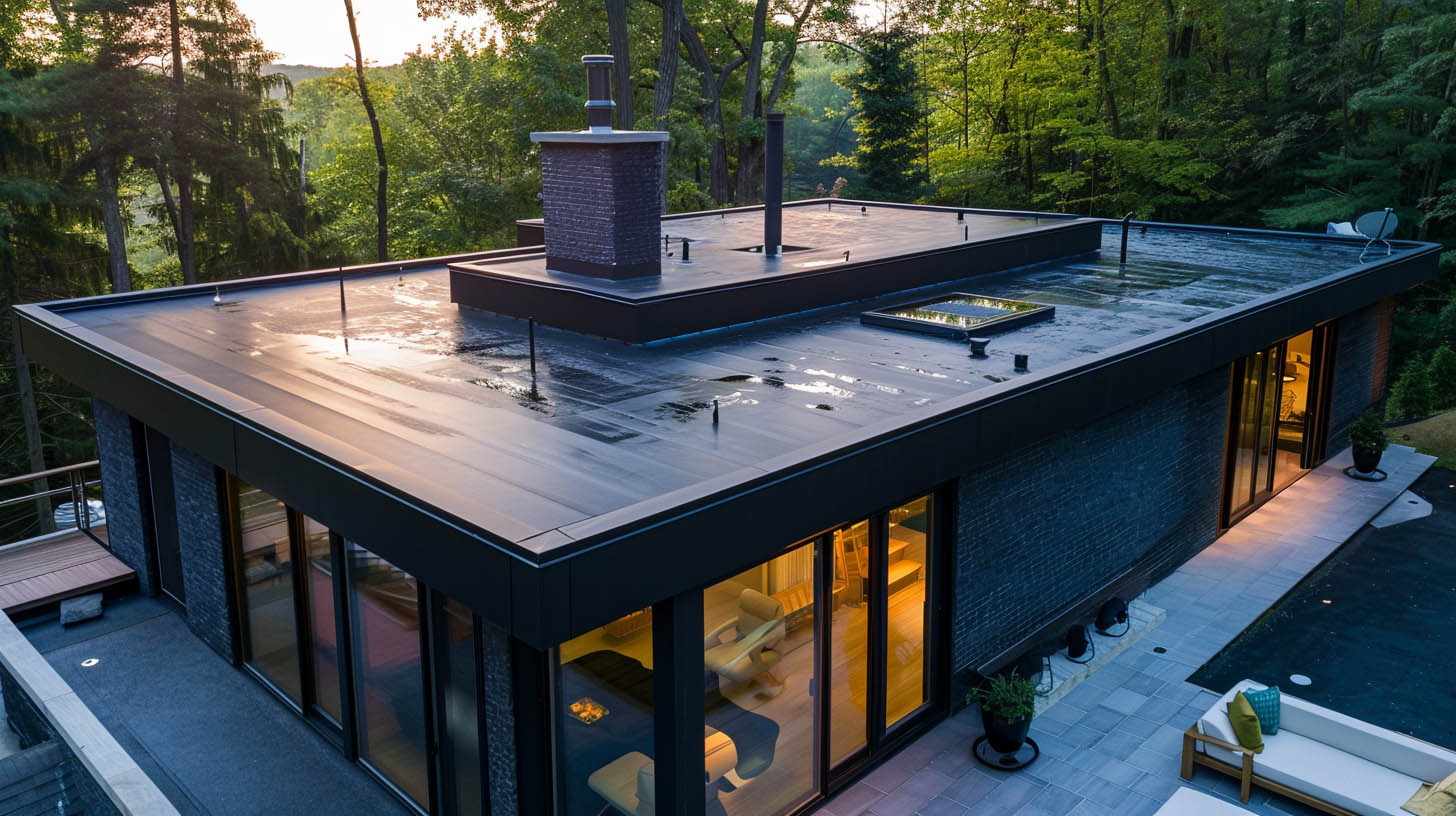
(855, 799)
(1125, 701)
(1104, 792)
(1013, 793)
(85, 607)
(941, 806)
(1053, 801)
(1102, 719)
(971, 788)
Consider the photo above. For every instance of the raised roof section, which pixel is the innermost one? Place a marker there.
(842, 251)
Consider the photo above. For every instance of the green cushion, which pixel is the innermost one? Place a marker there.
(1245, 723)
(1265, 703)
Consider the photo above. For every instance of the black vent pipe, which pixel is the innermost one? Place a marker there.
(773, 184)
(600, 109)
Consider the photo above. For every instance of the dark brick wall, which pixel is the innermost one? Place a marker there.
(128, 507)
(45, 778)
(1049, 524)
(201, 532)
(601, 203)
(500, 723)
(1362, 357)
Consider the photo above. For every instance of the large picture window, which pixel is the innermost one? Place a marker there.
(268, 590)
(605, 720)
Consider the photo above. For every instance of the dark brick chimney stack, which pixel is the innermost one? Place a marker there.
(601, 190)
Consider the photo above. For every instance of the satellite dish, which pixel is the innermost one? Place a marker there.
(1376, 225)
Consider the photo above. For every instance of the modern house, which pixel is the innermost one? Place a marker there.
(702, 513)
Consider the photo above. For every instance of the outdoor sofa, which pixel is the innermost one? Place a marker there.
(1321, 758)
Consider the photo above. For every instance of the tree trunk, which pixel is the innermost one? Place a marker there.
(666, 78)
(712, 111)
(381, 196)
(750, 148)
(1104, 73)
(621, 62)
(182, 169)
(33, 451)
(107, 195)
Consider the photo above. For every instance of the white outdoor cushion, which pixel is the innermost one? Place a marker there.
(1332, 775)
(1189, 802)
(1399, 752)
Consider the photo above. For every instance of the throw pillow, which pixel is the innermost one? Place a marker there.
(1266, 704)
(1245, 723)
(1434, 800)
(1447, 785)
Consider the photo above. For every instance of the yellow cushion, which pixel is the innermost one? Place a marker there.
(1447, 785)
(1434, 800)
(1245, 723)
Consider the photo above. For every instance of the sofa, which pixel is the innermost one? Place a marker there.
(1321, 758)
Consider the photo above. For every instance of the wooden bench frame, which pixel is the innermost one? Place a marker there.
(1246, 776)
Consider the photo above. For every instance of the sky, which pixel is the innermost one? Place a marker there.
(316, 32)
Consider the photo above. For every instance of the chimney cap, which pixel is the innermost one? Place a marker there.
(596, 59)
(774, 116)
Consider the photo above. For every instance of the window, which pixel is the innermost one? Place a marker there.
(760, 744)
(462, 717)
(908, 568)
(388, 671)
(267, 580)
(605, 719)
(322, 620)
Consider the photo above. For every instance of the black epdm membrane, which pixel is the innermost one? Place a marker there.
(1383, 649)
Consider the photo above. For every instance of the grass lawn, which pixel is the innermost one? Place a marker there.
(1436, 436)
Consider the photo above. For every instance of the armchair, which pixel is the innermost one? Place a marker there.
(758, 628)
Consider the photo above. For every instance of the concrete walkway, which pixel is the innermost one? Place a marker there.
(211, 737)
(1111, 745)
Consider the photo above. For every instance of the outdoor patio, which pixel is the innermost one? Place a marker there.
(210, 737)
(1111, 745)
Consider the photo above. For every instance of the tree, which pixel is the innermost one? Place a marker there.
(884, 90)
(381, 200)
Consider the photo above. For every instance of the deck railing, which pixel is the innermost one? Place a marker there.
(82, 485)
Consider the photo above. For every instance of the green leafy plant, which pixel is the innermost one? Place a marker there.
(1367, 432)
(1442, 375)
(1008, 696)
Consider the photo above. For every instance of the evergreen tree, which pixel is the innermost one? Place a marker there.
(884, 90)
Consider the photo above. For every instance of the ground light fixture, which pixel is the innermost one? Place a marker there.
(90, 661)
(1078, 645)
(1113, 613)
(1300, 680)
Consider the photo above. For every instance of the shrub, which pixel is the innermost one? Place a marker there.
(1008, 696)
(1442, 376)
(1411, 396)
(1368, 432)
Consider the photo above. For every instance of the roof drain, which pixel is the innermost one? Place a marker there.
(978, 346)
(1021, 362)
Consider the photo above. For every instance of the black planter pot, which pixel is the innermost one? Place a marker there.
(1003, 735)
(1366, 459)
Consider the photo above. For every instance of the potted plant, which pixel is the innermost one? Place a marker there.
(1367, 440)
(1007, 703)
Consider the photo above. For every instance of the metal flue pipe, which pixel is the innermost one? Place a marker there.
(773, 184)
(600, 109)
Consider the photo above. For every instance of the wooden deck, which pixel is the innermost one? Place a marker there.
(36, 573)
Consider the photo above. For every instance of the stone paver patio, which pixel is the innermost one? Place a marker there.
(1111, 745)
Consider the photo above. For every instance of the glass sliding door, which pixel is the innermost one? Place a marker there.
(907, 567)
(761, 741)
(849, 639)
(389, 672)
(1278, 403)
(266, 559)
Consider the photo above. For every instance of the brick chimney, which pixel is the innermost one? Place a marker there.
(601, 190)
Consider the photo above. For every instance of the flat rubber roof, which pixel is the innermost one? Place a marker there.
(441, 404)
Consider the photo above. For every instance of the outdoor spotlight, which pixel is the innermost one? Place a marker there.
(1078, 644)
(1112, 613)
